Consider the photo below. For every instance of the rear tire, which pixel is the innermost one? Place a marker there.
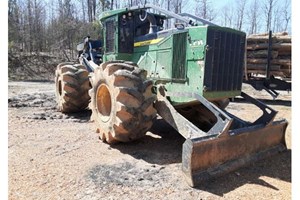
(121, 102)
(72, 86)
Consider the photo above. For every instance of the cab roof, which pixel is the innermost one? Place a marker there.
(109, 13)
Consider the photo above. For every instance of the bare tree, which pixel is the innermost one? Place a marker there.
(112, 4)
(168, 7)
(227, 16)
(177, 5)
(89, 11)
(91, 6)
(252, 15)
(83, 6)
(204, 9)
(38, 25)
(277, 19)
(117, 4)
(14, 23)
(241, 4)
(268, 8)
(287, 14)
(105, 5)
(29, 29)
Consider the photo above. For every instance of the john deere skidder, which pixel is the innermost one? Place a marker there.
(184, 74)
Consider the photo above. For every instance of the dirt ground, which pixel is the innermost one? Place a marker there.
(57, 156)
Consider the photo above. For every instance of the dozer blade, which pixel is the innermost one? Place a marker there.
(203, 159)
(229, 144)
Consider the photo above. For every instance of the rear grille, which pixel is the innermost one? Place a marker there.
(110, 36)
(179, 55)
(224, 60)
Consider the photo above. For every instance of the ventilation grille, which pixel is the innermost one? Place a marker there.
(110, 36)
(179, 55)
(224, 60)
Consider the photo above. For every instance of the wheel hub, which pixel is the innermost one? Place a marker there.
(103, 102)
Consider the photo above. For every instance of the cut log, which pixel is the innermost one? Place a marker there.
(274, 34)
(261, 54)
(264, 61)
(285, 54)
(263, 39)
(277, 46)
(262, 67)
(286, 67)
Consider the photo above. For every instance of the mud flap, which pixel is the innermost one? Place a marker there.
(203, 159)
(230, 144)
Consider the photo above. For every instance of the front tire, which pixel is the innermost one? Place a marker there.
(121, 102)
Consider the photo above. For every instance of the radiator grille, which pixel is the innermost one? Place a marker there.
(179, 55)
(224, 60)
(110, 36)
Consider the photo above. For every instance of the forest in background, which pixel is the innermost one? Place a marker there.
(55, 27)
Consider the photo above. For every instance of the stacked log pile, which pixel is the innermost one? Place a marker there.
(257, 54)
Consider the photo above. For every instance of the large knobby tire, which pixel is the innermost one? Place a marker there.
(72, 86)
(121, 102)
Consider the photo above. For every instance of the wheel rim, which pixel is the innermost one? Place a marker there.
(103, 101)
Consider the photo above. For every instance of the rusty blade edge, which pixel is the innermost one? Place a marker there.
(203, 160)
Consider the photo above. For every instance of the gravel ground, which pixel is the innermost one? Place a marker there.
(57, 156)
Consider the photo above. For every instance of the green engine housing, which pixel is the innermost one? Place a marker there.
(207, 60)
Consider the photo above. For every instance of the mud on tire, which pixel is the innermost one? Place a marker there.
(121, 101)
(72, 86)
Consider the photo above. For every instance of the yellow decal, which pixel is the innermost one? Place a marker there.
(147, 42)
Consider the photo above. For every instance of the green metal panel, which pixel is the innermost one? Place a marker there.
(165, 44)
(197, 42)
(163, 63)
(193, 83)
(156, 58)
(194, 67)
(165, 60)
